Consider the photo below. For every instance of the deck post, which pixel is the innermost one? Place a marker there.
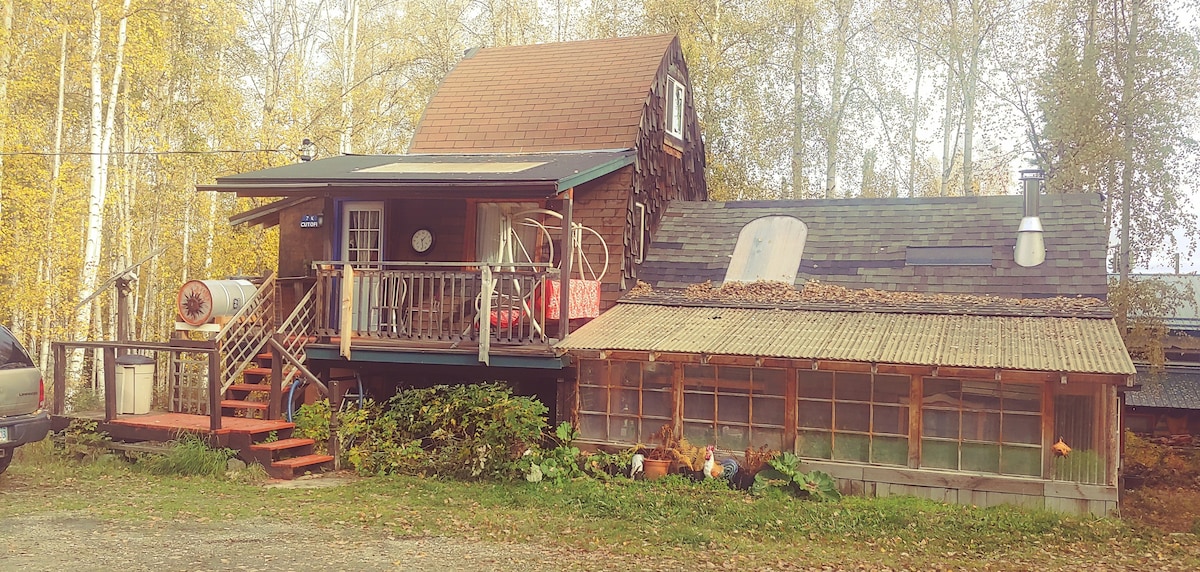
(214, 389)
(568, 253)
(335, 405)
(110, 383)
(58, 405)
(276, 377)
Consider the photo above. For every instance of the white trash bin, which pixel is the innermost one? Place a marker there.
(135, 384)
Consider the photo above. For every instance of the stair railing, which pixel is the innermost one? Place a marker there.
(244, 336)
(296, 331)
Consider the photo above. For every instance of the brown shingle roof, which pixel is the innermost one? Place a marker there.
(547, 97)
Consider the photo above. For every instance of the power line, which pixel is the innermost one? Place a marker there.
(146, 153)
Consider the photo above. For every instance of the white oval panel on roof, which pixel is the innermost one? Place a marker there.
(768, 248)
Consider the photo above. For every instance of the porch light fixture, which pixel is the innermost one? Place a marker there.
(308, 150)
(1031, 246)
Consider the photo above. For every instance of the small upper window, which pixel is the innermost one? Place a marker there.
(768, 248)
(948, 256)
(675, 99)
(639, 232)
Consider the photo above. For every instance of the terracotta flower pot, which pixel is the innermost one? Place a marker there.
(655, 468)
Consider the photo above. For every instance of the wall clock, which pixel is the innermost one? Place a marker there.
(422, 240)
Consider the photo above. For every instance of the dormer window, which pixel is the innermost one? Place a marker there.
(675, 99)
(768, 248)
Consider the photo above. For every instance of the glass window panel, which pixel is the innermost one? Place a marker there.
(698, 406)
(593, 399)
(1022, 397)
(891, 389)
(852, 386)
(939, 454)
(623, 429)
(938, 423)
(735, 373)
(699, 376)
(982, 457)
(889, 450)
(592, 427)
(816, 384)
(942, 392)
(623, 401)
(699, 433)
(817, 444)
(650, 428)
(816, 414)
(852, 417)
(591, 372)
(656, 403)
(981, 426)
(657, 374)
(981, 395)
(1021, 460)
(772, 438)
(627, 373)
(732, 437)
(770, 381)
(1022, 428)
(768, 411)
(733, 408)
(850, 447)
(890, 420)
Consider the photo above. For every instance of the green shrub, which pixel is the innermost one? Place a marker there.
(557, 464)
(312, 422)
(464, 431)
(189, 455)
(783, 472)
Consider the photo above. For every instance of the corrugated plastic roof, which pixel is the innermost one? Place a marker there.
(1037, 344)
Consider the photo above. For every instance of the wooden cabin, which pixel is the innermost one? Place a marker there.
(900, 348)
(457, 249)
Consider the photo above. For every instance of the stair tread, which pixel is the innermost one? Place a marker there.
(282, 444)
(237, 403)
(250, 387)
(257, 371)
(302, 461)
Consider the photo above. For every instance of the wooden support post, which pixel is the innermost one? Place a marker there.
(790, 415)
(335, 405)
(677, 399)
(916, 397)
(214, 389)
(58, 405)
(1112, 423)
(568, 253)
(276, 377)
(110, 383)
(1048, 437)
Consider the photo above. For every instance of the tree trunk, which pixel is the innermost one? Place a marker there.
(349, 55)
(49, 302)
(6, 20)
(970, 85)
(837, 100)
(800, 22)
(1127, 79)
(915, 120)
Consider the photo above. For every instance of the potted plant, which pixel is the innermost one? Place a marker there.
(658, 459)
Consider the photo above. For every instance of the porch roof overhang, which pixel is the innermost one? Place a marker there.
(1047, 344)
(461, 175)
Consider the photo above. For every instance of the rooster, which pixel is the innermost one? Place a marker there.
(711, 469)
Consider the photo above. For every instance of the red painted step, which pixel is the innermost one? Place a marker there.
(264, 387)
(283, 444)
(304, 461)
(239, 404)
(257, 371)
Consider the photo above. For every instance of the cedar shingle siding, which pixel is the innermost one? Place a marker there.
(862, 243)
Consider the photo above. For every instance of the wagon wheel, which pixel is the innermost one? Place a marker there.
(582, 237)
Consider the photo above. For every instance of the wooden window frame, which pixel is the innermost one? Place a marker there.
(903, 430)
(1000, 442)
(674, 110)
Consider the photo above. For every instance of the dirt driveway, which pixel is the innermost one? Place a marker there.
(74, 541)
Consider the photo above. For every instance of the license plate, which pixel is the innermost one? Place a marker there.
(3, 434)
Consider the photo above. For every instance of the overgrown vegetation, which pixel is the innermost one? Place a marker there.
(1139, 307)
(1159, 465)
(461, 431)
(783, 473)
(189, 455)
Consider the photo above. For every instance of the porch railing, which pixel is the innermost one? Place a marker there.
(434, 302)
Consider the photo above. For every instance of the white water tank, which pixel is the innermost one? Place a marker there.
(199, 301)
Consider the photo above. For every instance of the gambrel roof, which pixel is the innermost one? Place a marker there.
(547, 97)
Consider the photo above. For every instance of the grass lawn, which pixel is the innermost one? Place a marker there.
(670, 520)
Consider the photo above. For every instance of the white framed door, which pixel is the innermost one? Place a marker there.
(362, 246)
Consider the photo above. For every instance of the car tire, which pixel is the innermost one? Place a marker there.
(6, 459)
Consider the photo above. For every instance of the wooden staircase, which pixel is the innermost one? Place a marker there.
(284, 457)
